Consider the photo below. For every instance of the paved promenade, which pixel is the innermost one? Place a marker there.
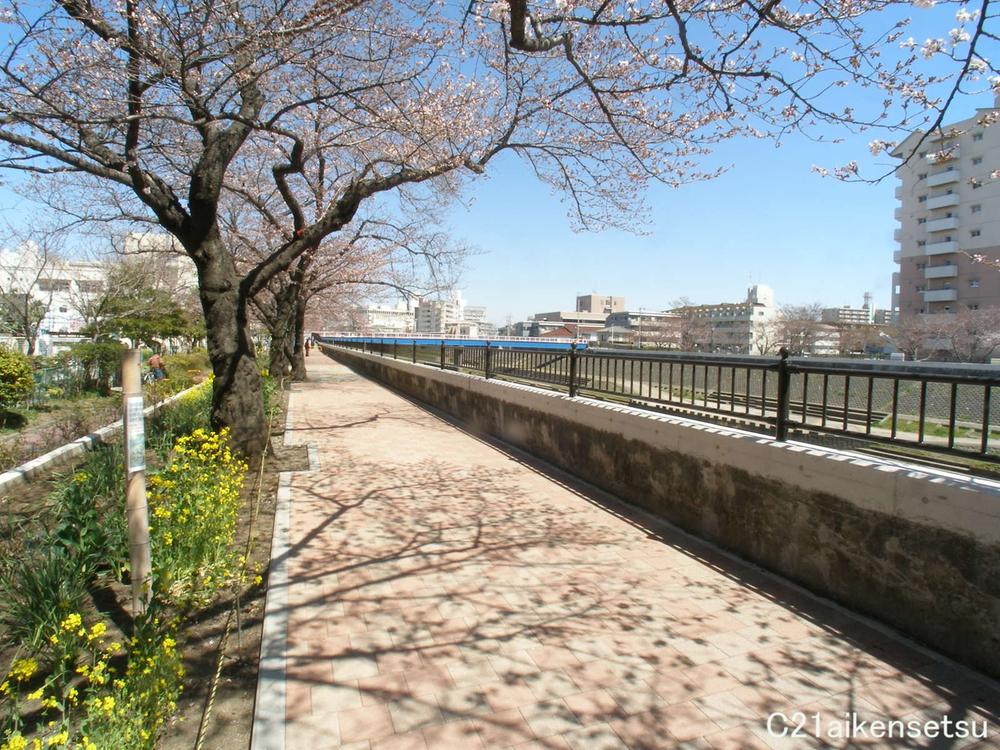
(445, 592)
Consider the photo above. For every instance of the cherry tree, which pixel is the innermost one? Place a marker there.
(373, 255)
(170, 109)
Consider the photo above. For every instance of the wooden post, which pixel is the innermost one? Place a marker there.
(136, 510)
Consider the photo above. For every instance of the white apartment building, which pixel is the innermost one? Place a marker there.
(740, 327)
(438, 315)
(387, 319)
(949, 210)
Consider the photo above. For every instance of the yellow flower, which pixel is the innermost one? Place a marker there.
(96, 631)
(71, 623)
(15, 742)
(22, 669)
(35, 695)
(59, 739)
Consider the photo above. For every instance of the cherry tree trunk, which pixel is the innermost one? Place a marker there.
(282, 329)
(237, 397)
(298, 358)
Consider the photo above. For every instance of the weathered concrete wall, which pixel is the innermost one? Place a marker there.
(917, 549)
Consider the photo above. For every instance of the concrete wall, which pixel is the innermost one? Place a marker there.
(914, 548)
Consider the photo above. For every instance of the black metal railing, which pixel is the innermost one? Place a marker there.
(943, 407)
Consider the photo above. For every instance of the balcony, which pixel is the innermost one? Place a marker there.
(939, 248)
(944, 178)
(941, 272)
(899, 192)
(943, 201)
(896, 255)
(897, 234)
(942, 225)
(940, 295)
(898, 213)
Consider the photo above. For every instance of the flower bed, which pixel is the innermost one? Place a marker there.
(76, 679)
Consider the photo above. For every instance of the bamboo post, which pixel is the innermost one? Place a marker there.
(136, 510)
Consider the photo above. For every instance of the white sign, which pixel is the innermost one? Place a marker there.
(135, 435)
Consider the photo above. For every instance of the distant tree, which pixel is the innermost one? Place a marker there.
(24, 302)
(134, 304)
(854, 339)
(973, 335)
(799, 327)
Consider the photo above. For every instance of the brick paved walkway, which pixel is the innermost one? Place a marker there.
(447, 593)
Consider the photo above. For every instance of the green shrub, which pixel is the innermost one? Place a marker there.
(190, 412)
(100, 361)
(91, 525)
(37, 591)
(16, 381)
(187, 363)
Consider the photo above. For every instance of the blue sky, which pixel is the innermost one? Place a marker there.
(769, 220)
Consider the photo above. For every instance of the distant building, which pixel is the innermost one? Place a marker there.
(741, 327)
(856, 316)
(659, 329)
(947, 212)
(616, 336)
(438, 315)
(396, 319)
(576, 321)
(600, 303)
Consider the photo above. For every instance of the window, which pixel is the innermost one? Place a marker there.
(977, 160)
(922, 154)
(947, 308)
(921, 243)
(63, 309)
(53, 285)
(976, 208)
(973, 307)
(974, 233)
(922, 199)
(977, 136)
(974, 283)
(920, 288)
(922, 176)
(90, 287)
(921, 221)
(921, 266)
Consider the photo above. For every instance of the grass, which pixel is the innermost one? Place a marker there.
(935, 429)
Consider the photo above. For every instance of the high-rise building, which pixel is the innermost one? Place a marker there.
(948, 213)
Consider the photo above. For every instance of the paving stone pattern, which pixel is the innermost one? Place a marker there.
(445, 592)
